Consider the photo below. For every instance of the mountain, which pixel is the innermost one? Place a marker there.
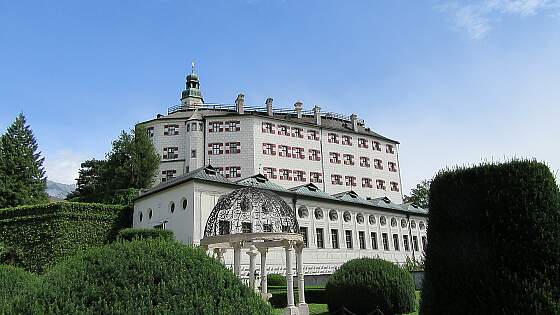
(59, 190)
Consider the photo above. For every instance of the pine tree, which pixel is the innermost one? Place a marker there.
(22, 166)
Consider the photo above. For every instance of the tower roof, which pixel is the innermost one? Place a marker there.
(192, 88)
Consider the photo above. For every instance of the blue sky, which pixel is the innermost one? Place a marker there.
(455, 82)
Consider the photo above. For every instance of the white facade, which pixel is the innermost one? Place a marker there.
(199, 192)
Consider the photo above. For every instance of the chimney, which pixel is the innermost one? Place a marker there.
(354, 120)
(239, 103)
(269, 106)
(298, 106)
(317, 113)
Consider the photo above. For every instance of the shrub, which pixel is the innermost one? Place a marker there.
(364, 285)
(13, 282)
(130, 234)
(275, 279)
(45, 234)
(10, 255)
(153, 276)
(494, 241)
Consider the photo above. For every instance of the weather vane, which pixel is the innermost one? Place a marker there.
(192, 67)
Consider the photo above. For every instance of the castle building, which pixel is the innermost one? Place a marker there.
(340, 179)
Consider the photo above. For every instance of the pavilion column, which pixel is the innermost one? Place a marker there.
(302, 306)
(264, 289)
(290, 309)
(237, 258)
(252, 253)
(219, 254)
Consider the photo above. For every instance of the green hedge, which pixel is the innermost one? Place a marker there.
(45, 234)
(494, 241)
(364, 285)
(152, 276)
(130, 234)
(13, 282)
(275, 279)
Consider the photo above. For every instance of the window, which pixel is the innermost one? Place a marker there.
(297, 132)
(319, 235)
(285, 174)
(269, 172)
(362, 143)
(405, 243)
(364, 161)
(348, 237)
(185, 203)
(346, 216)
(319, 214)
(267, 228)
(350, 181)
(380, 184)
(333, 215)
(193, 154)
(268, 149)
(172, 207)
(412, 224)
(424, 243)
(297, 153)
(332, 137)
(385, 240)
(378, 164)
(150, 131)
(376, 145)
(223, 227)
(362, 239)
(284, 150)
(233, 171)
(283, 130)
(315, 177)
(246, 227)
(267, 127)
(394, 186)
(336, 179)
(313, 135)
(170, 130)
(334, 238)
(150, 213)
(421, 225)
(373, 240)
(390, 149)
(140, 216)
(303, 232)
(348, 159)
(415, 243)
(335, 157)
(299, 176)
(232, 126)
(346, 140)
(215, 148)
(233, 147)
(167, 175)
(314, 155)
(366, 182)
(170, 153)
(396, 242)
(215, 126)
(392, 166)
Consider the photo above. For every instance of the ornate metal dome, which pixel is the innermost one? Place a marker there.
(251, 210)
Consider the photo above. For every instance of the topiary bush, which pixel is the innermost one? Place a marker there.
(275, 279)
(494, 241)
(152, 276)
(132, 234)
(13, 282)
(364, 285)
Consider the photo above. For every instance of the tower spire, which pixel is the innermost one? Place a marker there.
(191, 95)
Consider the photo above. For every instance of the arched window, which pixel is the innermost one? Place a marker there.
(318, 213)
(372, 219)
(303, 212)
(382, 220)
(360, 218)
(184, 203)
(333, 215)
(393, 222)
(171, 207)
(403, 223)
(140, 216)
(347, 217)
(150, 213)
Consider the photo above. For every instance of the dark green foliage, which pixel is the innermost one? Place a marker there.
(494, 241)
(315, 295)
(275, 279)
(44, 234)
(142, 277)
(420, 195)
(10, 255)
(22, 174)
(132, 234)
(13, 282)
(364, 285)
(131, 165)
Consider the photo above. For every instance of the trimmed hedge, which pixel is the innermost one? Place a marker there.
(364, 285)
(275, 279)
(45, 234)
(494, 241)
(13, 282)
(152, 276)
(130, 234)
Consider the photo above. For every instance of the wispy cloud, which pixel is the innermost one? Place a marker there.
(63, 166)
(478, 17)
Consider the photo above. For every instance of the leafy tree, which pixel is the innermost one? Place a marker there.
(92, 181)
(420, 194)
(22, 172)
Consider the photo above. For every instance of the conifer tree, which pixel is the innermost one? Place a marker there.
(21, 166)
